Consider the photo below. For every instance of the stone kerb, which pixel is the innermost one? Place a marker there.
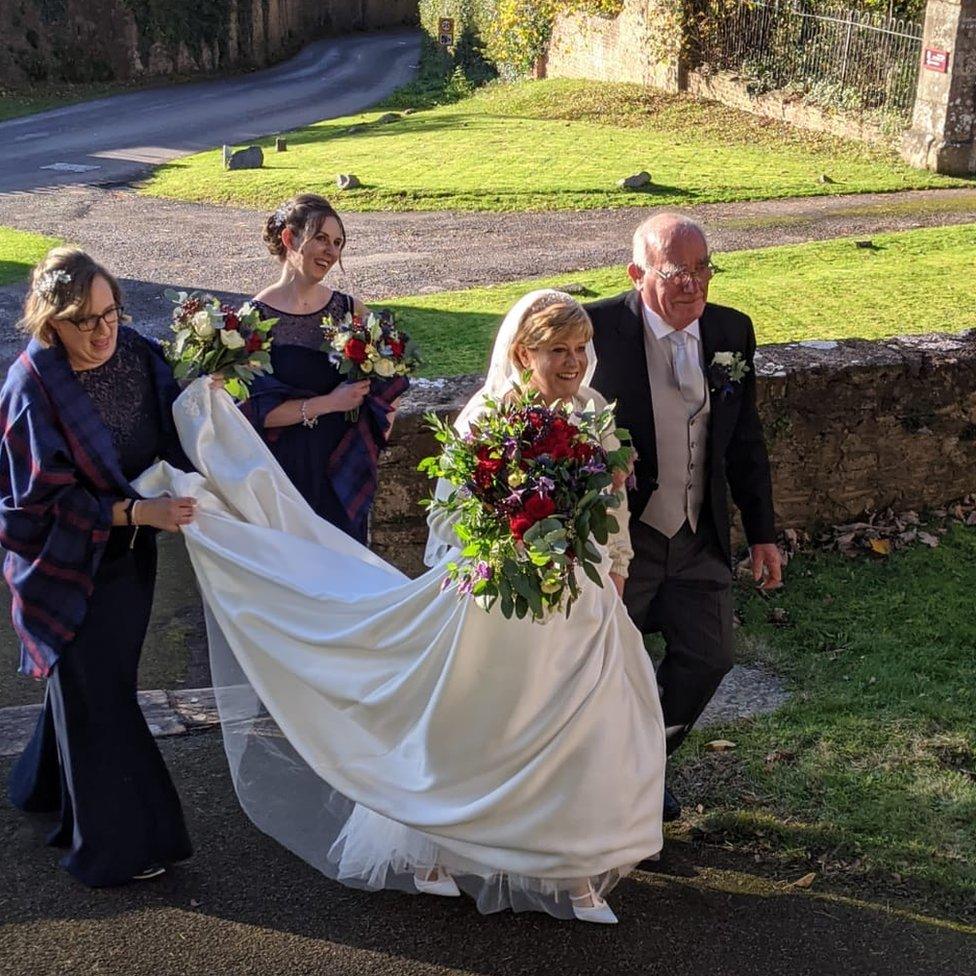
(852, 426)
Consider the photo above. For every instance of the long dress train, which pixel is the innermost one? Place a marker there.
(374, 723)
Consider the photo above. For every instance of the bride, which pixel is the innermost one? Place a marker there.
(394, 735)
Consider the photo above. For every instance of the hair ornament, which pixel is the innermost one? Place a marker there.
(281, 215)
(49, 282)
(547, 298)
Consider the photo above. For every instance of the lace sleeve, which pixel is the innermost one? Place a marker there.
(619, 547)
(441, 537)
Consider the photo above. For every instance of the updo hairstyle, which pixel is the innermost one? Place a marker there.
(304, 216)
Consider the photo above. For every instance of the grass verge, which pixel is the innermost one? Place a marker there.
(19, 252)
(906, 282)
(556, 144)
(868, 775)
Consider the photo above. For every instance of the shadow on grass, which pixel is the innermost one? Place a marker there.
(13, 271)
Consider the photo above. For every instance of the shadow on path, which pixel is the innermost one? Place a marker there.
(244, 905)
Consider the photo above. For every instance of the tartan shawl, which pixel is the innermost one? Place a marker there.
(352, 467)
(59, 477)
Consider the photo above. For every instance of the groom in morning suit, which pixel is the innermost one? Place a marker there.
(697, 434)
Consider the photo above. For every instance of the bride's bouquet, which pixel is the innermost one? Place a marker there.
(532, 492)
(370, 348)
(211, 337)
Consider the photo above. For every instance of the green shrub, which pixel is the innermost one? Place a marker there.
(510, 34)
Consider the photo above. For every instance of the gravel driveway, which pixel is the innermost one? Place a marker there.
(154, 244)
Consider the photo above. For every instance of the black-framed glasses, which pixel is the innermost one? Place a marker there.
(89, 323)
(683, 277)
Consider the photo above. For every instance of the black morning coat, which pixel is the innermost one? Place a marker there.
(737, 458)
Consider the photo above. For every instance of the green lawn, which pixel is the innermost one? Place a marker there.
(550, 145)
(909, 282)
(19, 252)
(871, 766)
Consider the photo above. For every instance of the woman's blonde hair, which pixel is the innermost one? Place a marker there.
(555, 321)
(60, 286)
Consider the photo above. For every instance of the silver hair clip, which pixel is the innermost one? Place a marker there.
(281, 215)
(47, 284)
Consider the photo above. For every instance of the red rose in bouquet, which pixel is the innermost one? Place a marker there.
(355, 351)
(538, 507)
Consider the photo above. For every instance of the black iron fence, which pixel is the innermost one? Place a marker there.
(841, 58)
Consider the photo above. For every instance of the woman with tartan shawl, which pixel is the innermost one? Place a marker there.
(85, 409)
(301, 410)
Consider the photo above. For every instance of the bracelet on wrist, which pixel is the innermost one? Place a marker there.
(307, 421)
(127, 507)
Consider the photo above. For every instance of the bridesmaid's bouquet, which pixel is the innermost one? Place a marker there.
(532, 493)
(373, 347)
(211, 337)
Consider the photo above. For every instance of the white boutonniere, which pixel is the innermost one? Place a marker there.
(726, 370)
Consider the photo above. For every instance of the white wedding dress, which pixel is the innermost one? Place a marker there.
(375, 724)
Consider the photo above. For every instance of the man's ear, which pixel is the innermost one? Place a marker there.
(636, 274)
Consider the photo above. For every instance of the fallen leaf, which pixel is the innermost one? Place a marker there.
(880, 547)
(930, 540)
(719, 745)
(806, 881)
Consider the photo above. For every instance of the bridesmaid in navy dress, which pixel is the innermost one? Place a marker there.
(86, 408)
(301, 409)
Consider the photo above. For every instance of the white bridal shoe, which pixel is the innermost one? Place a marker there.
(435, 881)
(590, 907)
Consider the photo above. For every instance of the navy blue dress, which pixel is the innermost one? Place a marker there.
(92, 756)
(308, 454)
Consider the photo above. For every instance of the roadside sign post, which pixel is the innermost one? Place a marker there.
(445, 32)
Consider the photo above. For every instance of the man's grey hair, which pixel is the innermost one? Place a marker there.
(654, 236)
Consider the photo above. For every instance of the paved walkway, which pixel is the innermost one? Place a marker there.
(746, 691)
(242, 905)
(156, 244)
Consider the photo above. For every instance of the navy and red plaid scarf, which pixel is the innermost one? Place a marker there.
(59, 477)
(353, 466)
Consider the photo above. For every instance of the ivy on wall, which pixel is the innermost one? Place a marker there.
(190, 22)
(510, 34)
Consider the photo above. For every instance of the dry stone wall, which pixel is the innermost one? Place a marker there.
(118, 40)
(640, 45)
(851, 427)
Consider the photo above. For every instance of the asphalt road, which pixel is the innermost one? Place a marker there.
(244, 905)
(118, 138)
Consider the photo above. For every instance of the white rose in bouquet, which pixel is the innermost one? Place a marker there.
(202, 325)
(385, 368)
(231, 338)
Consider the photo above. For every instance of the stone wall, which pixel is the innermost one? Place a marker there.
(851, 427)
(635, 46)
(119, 40)
(729, 89)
